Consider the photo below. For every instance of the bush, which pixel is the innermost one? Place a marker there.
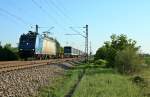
(101, 62)
(128, 61)
(139, 81)
(91, 61)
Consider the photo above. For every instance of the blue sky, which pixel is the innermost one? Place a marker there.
(104, 17)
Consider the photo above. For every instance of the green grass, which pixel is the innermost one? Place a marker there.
(145, 74)
(60, 86)
(96, 82)
(102, 82)
(147, 60)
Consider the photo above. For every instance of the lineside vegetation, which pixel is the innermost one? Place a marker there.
(121, 53)
(8, 53)
(97, 81)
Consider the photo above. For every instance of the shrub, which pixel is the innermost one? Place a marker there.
(101, 62)
(91, 61)
(139, 81)
(128, 61)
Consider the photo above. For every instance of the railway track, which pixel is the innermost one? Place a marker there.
(15, 65)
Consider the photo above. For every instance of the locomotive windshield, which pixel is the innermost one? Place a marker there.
(67, 50)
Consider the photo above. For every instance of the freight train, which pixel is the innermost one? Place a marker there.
(41, 46)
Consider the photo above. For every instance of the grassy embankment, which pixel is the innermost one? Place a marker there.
(60, 86)
(102, 82)
(96, 82)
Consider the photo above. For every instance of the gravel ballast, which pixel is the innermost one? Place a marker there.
(26, 82)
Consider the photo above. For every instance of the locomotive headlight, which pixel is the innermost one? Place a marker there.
(33, 49)
(21, 49)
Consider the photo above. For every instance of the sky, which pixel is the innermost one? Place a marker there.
(104, 17)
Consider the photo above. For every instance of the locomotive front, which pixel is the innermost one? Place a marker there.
(27, 44)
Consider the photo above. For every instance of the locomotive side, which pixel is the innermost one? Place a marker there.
(45, 46)
(35, 45)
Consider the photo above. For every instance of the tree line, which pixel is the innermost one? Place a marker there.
(8, 53)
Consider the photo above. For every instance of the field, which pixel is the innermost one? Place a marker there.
(102, 82)
(97, 82)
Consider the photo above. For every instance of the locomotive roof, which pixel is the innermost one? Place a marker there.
(34, 34)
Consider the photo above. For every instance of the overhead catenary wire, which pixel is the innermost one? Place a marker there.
(21, 10)
(43, 10)
(61, 11)
(47, 13)
(8, 18)
(58, 8)
(77, 32)
(49, 5)
(60, 4)
(61, 7)
(54, 10)
(14, 16)
(14, 4)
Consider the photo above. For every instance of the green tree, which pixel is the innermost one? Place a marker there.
(110, 48)
(8, 53)
(7, 46)
(101, 53)
(106, 53)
